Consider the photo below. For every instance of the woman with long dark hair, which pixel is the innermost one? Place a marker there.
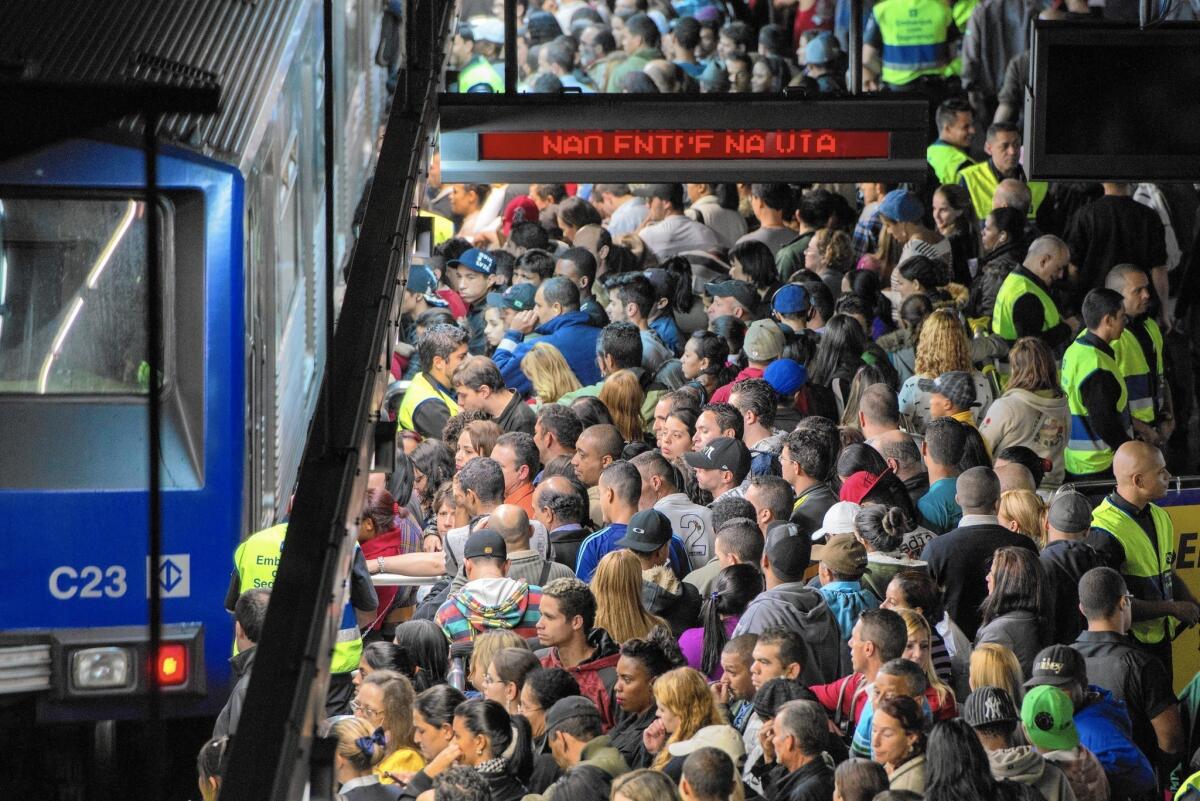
(751, 261)
(867, 286)
(954, 215)
(957, 767)
(423, 647)
(433, 465)
(838, 357)
(732, 591)
(677, 432)
(1015, 612)
(1003, 243)
(494, 743)
(901, 344)
(705, 362)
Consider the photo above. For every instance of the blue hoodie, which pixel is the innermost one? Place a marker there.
(571, 333)
(1105, 730)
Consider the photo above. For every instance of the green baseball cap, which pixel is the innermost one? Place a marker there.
(1048, 713)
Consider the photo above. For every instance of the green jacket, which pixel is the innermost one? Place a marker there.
(635, 63)
(598, 758)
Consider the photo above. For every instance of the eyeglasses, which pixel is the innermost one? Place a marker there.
(526, 708)
(356, 706)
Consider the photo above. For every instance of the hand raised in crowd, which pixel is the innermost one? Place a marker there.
(525, 321)
(655, 737)
(721, 692)
(446, 759)
(765, 737)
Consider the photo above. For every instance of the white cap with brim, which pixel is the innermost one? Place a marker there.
(721, 737)
(838, 520)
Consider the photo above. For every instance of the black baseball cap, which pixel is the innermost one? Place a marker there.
(485, 544)
(1058, 666)
(722, 453)
(570, 708)
(741, 291)
(789, 550)
(648, 531)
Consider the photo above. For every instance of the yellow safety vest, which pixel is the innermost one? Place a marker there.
(479, 71)
(420, 390)
(1147, 567)
(1013, 288)
(1190, 789)
(945, 159)
(981, 183)
(1086, 451)
(915, 34)
(1140, 379)
(443, 229)
(257, 560)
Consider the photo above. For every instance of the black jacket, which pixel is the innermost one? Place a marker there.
(227, 721)
(681, 608)
(626, 737)
(813, 782)
(1065, 562)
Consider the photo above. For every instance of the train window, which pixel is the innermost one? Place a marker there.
(73, 296)
(289, 274)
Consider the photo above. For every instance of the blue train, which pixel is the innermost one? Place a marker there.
(243, 208)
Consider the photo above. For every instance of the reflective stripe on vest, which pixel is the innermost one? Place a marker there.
(1013, 288)
(1140, 379)
(1190, 789)
(914, 34)
(1152, 563)
(945, 160)
(257, 560)
(981, 186)
(420, 390)
(1086, 451)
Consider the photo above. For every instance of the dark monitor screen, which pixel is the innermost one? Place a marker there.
(1115, 103)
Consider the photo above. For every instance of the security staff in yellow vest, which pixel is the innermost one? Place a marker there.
(1139, 354)
(956, 128)
(429, 402)
(1095, 389)
(1003, 147)
(476, 45)
(1135, 537)
(907, 39)
(255, 563)
(1024, 307)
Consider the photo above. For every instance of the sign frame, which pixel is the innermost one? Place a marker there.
(465, 116)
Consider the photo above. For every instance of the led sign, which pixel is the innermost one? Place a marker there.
(683, 144)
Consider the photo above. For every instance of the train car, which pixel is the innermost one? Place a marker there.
(242, 235)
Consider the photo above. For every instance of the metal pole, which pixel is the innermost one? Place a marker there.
(330, 206)
(1145, 12)
(510, 47)
(155, 748)
(856, 42)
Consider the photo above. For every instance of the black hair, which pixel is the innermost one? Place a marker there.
(809, 450)
(584, 261)
(623, 343)
(715, 348)
(922, 593)
(945, 440)
(451, 249)
(460, 783)
(437, 704)
(820, 298)
(562, 422)
(915, 310)
(858, 457)
(1009, 221)
(680, 271)
(529, 234)
(757, 262)
(633, 288)
(577, 212)
(710, 774)
(383, 655)
(732, 591)
(503, 264)
(549, 685)
(648, 654)
(949, 110)
(730, 508)
(975, 451)
(591, 411)
(1022, 455)
(956, 765)
(563, 291)
(486, 717)
(483, 476)
(538, 262)
(728, 417)
(882, 527)
(815, 208)
(740, 33)
(1101, 303)
(741, 537)
(423, 645)
(860, 779)
(792, 648)
(756, 395)
(642, 26)
(732, 330)
(930, 274)
(867, 285)
(435, 460)
(638, 83)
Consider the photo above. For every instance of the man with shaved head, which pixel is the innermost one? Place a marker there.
(1024, 307)
(960, 560)
(1137, 539)
(597, 447)
(513, 525)
(1139, 355)
(878, 412)
(1015, 476)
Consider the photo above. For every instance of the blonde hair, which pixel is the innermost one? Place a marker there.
(645, 784)
(622, 393)
(482, 434)
(398, 700)
(942, 346)
(617, 585)
(548, 371)
(993, 665)
(1025, 507)
(354, 744)
(918, 626)
(685, 693)
(485, 648)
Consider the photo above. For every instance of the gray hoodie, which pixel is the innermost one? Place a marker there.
(795, 607)
(1025, 765)
(1037, 420)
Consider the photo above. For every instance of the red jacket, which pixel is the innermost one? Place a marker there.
(849, 693)
(721, 394)
(596, 675)
(399, 540)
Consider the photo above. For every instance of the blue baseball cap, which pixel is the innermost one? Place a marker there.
(422, 281)
(785, 376)
(518, 297)
(821, 50)
(902, 206)
(790, 299)
(476, 261)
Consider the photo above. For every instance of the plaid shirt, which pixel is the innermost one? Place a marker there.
(866, 232)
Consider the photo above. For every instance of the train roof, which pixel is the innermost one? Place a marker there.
(239, 44)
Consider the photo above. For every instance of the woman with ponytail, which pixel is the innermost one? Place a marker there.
(732, 591)
(387, 529)
(892, 541)
(705, 362)
(359, 751)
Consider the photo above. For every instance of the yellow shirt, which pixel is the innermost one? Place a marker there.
(967, 417)
(403, 760)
